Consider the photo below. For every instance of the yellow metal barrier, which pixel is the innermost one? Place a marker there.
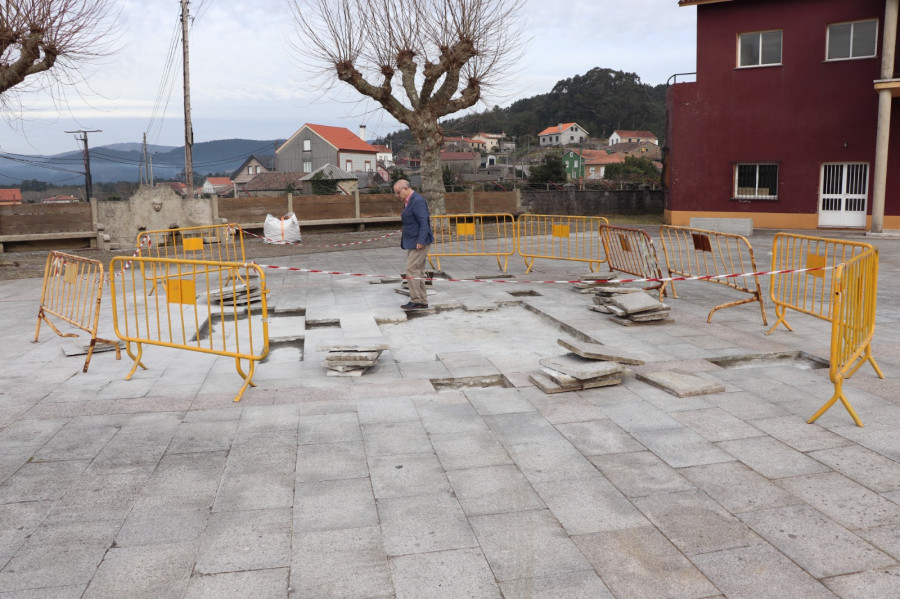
(473, 235)
(205, 309)
(219, 243)
(700, 253)
(855, 284)
(560, 238)
(809, 292)
(72, 290)
(632, 251)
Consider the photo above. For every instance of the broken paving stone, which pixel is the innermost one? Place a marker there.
(627, 322)
(599, 276)
(561, 379)
(608, 290)
(581, 368)
(633, 303)
(357, 372)
(596, 351)
(352, 356)
(681, 383)
(547, 385)
(602, 309)
(359, 344)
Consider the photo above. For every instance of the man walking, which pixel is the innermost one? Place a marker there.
(415, 238)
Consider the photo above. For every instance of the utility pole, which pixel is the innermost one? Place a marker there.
(88, 185)
(188, 128)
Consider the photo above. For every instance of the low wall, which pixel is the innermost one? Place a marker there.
(571, 202)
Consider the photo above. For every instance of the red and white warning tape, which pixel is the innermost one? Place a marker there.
(519, 281)
(335, 245)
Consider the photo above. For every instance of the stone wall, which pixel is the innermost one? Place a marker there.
(149, 209)
(571, 202)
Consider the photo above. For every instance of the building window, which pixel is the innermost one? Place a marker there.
(756, 181)
(249, 170)
(307, 167)
(368, 166)
(306, 145)
(349, 166)
(852, 40)
(759, 49)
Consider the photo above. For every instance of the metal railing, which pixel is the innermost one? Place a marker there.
(72, 290)
(206, 309)
(631, 251)
(558, 237)
(693, 252)
(855, 285)
(473, 235)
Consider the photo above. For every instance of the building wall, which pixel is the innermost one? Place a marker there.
(291, 156)
(799, 115)
(358, 159)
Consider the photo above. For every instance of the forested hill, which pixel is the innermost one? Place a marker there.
(601, 101)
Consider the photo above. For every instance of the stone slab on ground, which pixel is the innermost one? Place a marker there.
(546, 384)
(581, 368)
(627, 322)
(597, 351)
(80, 347)
(350, 358)
(284, 329)
(681, 383)
(633, 303)
(359, 344)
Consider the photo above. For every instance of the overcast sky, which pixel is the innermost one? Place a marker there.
(245, 82)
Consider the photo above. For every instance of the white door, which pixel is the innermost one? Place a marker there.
(843, 190)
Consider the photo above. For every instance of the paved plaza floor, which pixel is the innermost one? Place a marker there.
(443, 472)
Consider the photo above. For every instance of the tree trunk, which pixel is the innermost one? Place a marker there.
(430, 137)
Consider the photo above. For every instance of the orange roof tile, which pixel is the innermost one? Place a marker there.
(11, 195)
(219, 180)
(556, 129)
(627, 133)
(341, 138)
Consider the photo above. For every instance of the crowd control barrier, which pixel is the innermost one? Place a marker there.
(473, 235)
(72, 290)
(560, 238)
(855, 284)
(201, 306)
(219, 243)
(632, 251)
(809, 291)
(700, 253)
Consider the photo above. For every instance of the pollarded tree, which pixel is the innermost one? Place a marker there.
(51, 38)
(442, 53)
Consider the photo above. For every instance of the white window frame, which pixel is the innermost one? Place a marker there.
(307, 167)
(741, 193)
(249, 170)
(760, 63)
(852, 28)
(307, 145)
(349, 165)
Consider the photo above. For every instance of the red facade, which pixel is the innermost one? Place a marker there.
(799, 114)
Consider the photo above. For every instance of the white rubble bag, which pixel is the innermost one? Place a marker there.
(281, 230)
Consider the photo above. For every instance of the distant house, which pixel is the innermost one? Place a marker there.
(640, 149)
(273, 184)
(589, 164)
(342, 182)
(385, 156)
(491, 141)
(60, 199)
(9, 197)
(563, 134)
(179, 188)
(217, 186)
(252, 166)
(625, 136)
(314, 146)
(461, 162)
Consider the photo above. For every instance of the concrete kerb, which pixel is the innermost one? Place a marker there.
(170, 447)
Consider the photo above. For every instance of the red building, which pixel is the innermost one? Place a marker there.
(782, 123)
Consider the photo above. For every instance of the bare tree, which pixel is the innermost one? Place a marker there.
(443, 54)
(50, 37)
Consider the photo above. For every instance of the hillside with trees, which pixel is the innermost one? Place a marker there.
(601, 101)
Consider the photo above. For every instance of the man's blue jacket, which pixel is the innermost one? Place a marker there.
(416, 223)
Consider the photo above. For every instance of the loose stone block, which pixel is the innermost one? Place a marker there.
(596, 351)
(549, 386)
(581, 368)
(362, 344)
(634, 303)
(680, 383)
(627, 322)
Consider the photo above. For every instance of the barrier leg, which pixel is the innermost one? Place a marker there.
(838, 394)
(42, 316)
(780, 311)
(137, 361)
(529, 264)
(248, 377)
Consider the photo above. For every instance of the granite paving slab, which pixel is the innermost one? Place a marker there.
(443, 575)
(597, 351)
(681, 383)
(581, 368)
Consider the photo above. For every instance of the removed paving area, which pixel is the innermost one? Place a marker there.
(385, 454)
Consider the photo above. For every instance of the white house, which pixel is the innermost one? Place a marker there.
(563, 134)
(624, 136)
